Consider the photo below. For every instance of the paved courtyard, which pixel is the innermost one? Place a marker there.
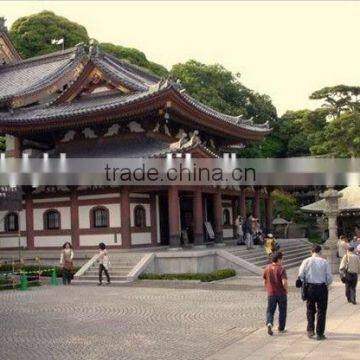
(147, 321)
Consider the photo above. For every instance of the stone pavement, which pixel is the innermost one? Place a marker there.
(147, 320)
(342, 331)
(166, 320)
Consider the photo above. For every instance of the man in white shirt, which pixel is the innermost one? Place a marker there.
(315, 272)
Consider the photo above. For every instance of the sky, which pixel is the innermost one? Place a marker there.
(284, 49)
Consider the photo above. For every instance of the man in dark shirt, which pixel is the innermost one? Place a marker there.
(276, 287)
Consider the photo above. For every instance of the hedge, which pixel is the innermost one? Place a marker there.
(203, 277)
(33, 269)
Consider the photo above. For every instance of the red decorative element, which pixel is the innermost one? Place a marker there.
(174, 216)
(153, 220)
(198, 217)
(125, 218)
(29, 215)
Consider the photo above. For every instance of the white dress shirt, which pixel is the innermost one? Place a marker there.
(315, 270)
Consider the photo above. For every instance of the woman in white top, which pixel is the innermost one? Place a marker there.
(66, 262)
(104, 263)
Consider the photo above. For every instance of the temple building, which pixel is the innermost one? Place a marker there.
(87, 103)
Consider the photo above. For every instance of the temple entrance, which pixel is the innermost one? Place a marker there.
(209, 215)
(186, 218)
(164, 219)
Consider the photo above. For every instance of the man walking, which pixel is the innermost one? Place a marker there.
(350, 268)
(276, 285)
(315, 272)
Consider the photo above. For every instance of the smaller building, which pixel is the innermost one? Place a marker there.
(348, 220)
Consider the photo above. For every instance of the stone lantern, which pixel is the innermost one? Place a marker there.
(331, 211)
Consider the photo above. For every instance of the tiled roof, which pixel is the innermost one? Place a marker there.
(350, 200)
(29, 75)
(86, 105)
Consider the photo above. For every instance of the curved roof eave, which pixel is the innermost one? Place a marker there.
(135, 105)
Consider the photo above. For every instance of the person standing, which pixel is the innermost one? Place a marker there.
(248, 232)
(315, 273)
(350, 268)
(342, 246)
(104, 263)
(239, 230)
(269, 244)
(276, 284)
(66, 262)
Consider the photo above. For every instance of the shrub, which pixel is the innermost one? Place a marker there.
(203, 277)
(33, 269)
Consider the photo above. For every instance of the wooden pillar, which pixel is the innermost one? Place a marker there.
(13, 146)
(74, 213)
(256, 208)
(29, 218)
(125, 218)
(153, 216)
(174, 216)
(268, 212)
(242, 201)
(218, 214)
(198, 217)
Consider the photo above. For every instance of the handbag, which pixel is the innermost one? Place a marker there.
(344, 273)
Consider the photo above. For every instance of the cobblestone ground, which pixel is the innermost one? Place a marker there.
(144, 321)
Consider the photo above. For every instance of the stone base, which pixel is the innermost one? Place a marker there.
(196, 247)
(330, 256)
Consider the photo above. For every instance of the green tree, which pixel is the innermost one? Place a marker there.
(32, 34)
(219, 88)
(284, 204)
(134, 56)
(299, 130)
(340, 138)
(339, 99)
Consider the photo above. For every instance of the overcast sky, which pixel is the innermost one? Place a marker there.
(284, 49)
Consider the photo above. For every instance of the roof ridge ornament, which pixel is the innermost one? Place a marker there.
(3, 27)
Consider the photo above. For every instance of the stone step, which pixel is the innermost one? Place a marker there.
(243, 250)
(114, 267)
(287, 262)
(112, 273)
(94, 283)
(259, 254)
(96, 277)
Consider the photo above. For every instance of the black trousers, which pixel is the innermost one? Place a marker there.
(273, 302)
(101, 270)
(350, 287)
(66, 276)
(317, 303)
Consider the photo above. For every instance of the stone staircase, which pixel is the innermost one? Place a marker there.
(294, 250)
(120, 267)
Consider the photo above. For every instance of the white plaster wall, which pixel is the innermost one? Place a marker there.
(12, 241)
(22, 220)
(57, 199)
(64, 214)
(228, 233)
(99, 196)
(141, 238)
(147, 212)
(53, 241)
(114, 214)
(95, 239)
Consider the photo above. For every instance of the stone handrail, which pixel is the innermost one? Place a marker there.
(140, 267)
(87, 265)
